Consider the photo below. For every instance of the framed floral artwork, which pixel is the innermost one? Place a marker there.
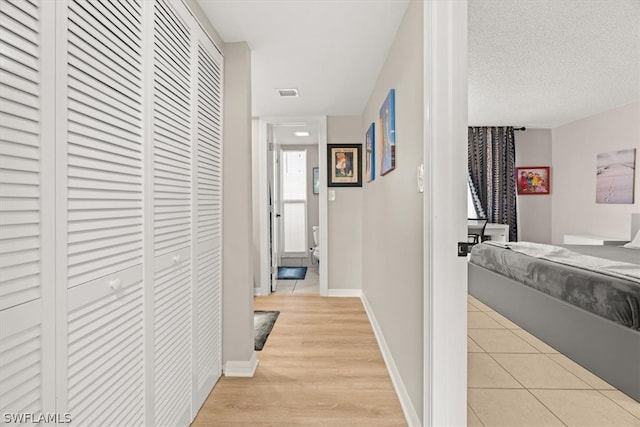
(344, 165)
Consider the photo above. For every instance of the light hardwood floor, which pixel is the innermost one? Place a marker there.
(321, 366)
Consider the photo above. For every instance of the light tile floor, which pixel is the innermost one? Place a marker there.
(310, 284)
(515, 379)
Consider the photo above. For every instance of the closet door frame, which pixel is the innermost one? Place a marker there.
(48, 198)
(148, 188)
(61, 160)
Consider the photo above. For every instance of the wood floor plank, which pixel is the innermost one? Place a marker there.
(321, 366)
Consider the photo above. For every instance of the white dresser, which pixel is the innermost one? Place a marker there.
(497, 232)
(586, 239)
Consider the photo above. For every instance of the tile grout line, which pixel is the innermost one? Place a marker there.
(475, 413)
(601, 392)
(515, 379)
(591, 388)
(545, 406)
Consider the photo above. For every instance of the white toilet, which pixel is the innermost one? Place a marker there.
(315, 253)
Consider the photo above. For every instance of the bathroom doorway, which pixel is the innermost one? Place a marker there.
(292, 157)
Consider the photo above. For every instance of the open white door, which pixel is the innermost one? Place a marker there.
(275, 214)
(445, 369)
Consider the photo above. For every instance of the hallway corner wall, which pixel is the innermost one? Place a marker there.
(237, 332)
(345, 214)
(392, 213)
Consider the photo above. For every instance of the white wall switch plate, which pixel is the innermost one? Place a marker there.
(332, 195)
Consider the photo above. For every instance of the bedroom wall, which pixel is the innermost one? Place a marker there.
(574, 150)
(392, 215)
(345, 214)
(533, 148)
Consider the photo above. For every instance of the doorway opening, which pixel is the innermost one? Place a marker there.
(293, 205)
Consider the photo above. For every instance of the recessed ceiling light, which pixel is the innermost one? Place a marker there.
(288, 93)
(303, 133)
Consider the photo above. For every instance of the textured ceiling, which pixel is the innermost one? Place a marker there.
(549, 62)
(332, 51)
(536, 63)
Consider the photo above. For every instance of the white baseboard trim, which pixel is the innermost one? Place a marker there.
(241, 368)
(405, 401)
(345, 293)
(256, 292)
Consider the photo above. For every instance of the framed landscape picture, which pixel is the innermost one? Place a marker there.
(615, 177)
(533, 180)
(370, 162)
(344, 165)
(388, 133)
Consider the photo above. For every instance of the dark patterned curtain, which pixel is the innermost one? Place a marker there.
(492, 164)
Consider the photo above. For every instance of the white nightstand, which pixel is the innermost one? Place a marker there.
(585, 239)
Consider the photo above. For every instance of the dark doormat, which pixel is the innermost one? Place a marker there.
(292, 273)
(263, 322)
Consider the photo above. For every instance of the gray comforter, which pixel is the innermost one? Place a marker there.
(614, 298)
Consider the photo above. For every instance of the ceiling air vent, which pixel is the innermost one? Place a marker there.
(288, 93)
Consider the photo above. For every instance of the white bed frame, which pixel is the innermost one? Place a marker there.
(606, 348)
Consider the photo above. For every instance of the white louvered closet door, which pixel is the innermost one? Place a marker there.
(104, 379)
(207, 316)
(172, 198)
(26, 209)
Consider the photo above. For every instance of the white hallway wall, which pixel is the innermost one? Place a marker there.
(237, 318)
(392, 209)
(345, 213)
(575, 149)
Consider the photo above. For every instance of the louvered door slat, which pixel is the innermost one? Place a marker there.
(208, 310)
(104, 171)
(209, 148)
(105, 360)
(208, 185)
(20, 155)
(21, 359)
(172, 338)
(172, 132)
(114, 21)
(98, 88)
(172, 209)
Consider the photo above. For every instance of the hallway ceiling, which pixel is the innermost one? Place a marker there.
(331, 51)
(535, 63)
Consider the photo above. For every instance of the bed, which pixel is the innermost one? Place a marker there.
(590, 315)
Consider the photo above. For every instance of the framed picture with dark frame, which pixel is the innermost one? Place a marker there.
(533, 180)
(344, 165)
(316, 181)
